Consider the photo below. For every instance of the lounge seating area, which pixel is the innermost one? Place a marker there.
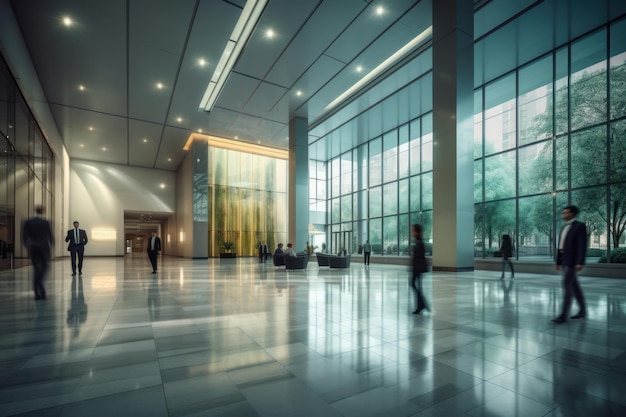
(339, 261)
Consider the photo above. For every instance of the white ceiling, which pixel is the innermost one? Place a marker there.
(120, 49)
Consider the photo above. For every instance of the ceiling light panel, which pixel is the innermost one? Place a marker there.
(250, 15)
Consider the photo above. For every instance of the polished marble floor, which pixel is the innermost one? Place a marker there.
(238, 338)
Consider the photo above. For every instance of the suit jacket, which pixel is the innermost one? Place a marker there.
(37, 233)
(82, 239)
(157, 244)
(574, 247)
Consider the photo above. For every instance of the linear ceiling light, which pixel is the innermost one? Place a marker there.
(387, 63)
(241, 33)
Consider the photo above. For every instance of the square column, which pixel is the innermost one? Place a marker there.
(453, 141)
(298, 232)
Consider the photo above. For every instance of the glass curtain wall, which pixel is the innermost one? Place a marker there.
(549, 134)
(26, 171)
(377, 179)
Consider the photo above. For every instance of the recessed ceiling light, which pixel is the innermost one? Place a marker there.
(145, 140)
(162, 185)
(199, 130)
(104, 149)
(270, 33)
(359, 68)
(258, 141)
(91, 128)
(202, 62)
(67, 21)
(159, 86)
(179, 119)
(81, 87)
(298, 93)
(169, 159)
(236, 137)
(380, 10)
(81, 145)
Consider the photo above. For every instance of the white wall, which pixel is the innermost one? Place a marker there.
(184, 208)
(99, 194)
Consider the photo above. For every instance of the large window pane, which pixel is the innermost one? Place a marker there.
(346, 173)
(535, 101)
(618, 69)
(346, 208)
(617, 215)
(588, 80)
(562, 92)
(375, 195)
(562, 163)
(375, 162)
(390, 230)
(535, 168)
(592, 205)
(376, 235)
(404, 235)
(414, 147)
(415, 202)
(427, 191)
(427, 143)
(478, 123)
(390, 156)
(588, 149)
(499, 219)
(478, 181)
(536, 227)
(618, 152)
(403, 196)
(390, 197)
(500, 115)
(500, 176)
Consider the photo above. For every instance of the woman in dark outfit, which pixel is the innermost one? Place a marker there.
(419, 267)
(507, 252)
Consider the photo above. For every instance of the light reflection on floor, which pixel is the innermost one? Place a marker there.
(238, 338)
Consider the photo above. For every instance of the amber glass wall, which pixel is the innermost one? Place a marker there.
(247, 201)
(26, 170)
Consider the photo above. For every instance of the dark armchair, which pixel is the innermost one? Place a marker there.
(322, 258)
(296, 262)
(279, 259)
(339, 261)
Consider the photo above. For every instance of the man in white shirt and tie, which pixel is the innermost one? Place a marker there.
(77, 239)
(154, 247)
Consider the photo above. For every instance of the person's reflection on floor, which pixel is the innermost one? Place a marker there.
(508, 315)
(154, 299)
(77, 313)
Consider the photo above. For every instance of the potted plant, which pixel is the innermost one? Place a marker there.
(227, 248)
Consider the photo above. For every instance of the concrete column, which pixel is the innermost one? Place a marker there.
(298, 232)
(453, 160)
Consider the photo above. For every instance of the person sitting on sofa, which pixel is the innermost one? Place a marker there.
(279, 250)
(289, 251)
(343, 252)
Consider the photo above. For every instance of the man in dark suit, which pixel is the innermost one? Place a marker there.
(37, 236)
(571, 259)
(77, 239)
(154, 247)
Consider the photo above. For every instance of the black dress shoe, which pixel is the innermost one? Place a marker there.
(578, 316)
(418, 311)
(559, 320)
(73, 274)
